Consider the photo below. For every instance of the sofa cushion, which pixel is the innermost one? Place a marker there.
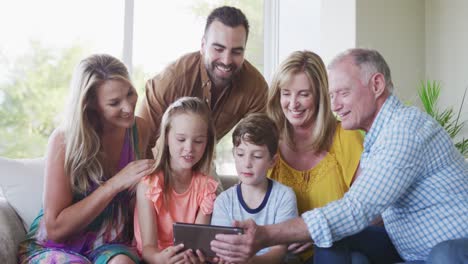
(21, 181)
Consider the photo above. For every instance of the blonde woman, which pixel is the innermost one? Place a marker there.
(317, 157)
(92, 166)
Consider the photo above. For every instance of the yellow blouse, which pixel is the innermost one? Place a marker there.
(330, 178)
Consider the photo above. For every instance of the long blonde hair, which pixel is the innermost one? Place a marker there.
(184, 105)
(313, 67)
(83, 152)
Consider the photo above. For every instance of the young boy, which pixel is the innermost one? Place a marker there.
(266, 201)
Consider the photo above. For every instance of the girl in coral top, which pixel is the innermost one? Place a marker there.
(177, 190)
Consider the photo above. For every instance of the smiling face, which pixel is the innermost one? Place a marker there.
(297, 101)
(187, 139)
(352, 98)
(252, 162)
(115, 102)
(223, 52)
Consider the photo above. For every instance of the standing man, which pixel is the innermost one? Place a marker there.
(218, 74)
(411, 174)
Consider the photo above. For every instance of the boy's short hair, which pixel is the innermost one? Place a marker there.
(257, 129)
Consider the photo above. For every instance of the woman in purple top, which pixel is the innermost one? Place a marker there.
(92, 165)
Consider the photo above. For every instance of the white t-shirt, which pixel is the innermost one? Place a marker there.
(279, 205)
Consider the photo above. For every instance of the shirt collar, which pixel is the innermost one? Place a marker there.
(383, 117)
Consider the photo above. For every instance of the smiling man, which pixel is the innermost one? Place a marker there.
(218, 74)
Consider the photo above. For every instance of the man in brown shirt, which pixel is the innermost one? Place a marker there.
(217, 73)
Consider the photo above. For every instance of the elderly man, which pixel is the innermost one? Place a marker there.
(411, 174)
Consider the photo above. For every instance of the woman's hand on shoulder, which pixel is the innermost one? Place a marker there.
(128, 177)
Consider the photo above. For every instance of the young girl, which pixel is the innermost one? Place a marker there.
(177, 190)
(91, 171)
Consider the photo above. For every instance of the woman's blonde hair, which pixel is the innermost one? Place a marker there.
(184, 105)
(81, 123)
(325, 122)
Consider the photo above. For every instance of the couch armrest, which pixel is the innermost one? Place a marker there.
(11, 232)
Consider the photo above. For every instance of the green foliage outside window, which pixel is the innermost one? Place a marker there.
(33, 93)
(32, 97)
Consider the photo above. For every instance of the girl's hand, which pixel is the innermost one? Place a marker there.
(296, 248)
(170, 255)
(219, 261)
(129, 176)
(190, 257)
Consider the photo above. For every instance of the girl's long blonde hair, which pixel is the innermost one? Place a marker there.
(81, 123)
(325, 122)
(184, 105)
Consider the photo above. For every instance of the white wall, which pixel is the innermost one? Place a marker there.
(325, 27)
(447, 51)
(397, 30)
(420, 39)
(299, 27)
(291, 25)
(338, 27)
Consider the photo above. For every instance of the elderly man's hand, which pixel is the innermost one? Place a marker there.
(239, 248)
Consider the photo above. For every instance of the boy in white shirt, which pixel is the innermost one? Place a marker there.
(264, 200)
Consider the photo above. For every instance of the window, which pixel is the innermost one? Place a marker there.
(37, 56)
(165, 30)
(41, 42)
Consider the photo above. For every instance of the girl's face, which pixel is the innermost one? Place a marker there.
(187, 139)
(297, 101)
(115, 102)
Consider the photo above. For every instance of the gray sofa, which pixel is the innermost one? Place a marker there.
(21, 185)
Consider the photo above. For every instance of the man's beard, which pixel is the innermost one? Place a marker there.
(221, 82)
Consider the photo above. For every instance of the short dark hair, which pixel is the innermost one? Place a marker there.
(259, 130)
(229, 16)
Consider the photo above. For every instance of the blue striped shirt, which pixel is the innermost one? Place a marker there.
(412, 175)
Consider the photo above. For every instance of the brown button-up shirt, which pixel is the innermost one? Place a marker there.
(188, 77)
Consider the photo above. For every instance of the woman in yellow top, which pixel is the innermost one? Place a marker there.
(317, 157)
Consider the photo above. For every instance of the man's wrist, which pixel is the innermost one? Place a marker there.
(264, 237)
